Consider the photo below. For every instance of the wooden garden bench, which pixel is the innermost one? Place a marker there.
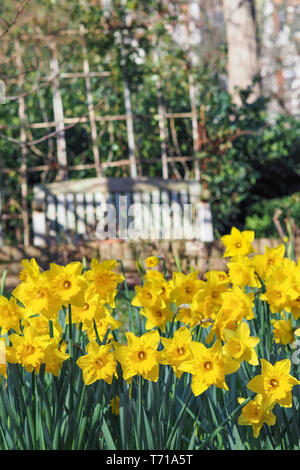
(72, 209)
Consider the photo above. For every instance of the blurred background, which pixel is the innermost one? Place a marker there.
(204, 90)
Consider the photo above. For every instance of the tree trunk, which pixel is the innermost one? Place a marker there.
(242, 46)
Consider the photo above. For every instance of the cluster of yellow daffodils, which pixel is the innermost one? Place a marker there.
(279, 278)
(30, 318)
(221, 305)
(213, 303)
(277, 275)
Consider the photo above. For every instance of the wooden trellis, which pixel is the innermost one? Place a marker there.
(58, 126)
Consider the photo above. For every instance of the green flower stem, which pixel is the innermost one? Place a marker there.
(79, 332)
(164, 266)
(140, 406)
(96, 333)
(178, 263)
(229, 418)
(104, 341)
(64, 333)
(34, 406)
(51, 334)
(70, 331)
(71, 361)
(127, 295)
(199, 331)
(172, 324)
(170, 438)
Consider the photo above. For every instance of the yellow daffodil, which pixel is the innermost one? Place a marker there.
(239, 300)
(28, 349)
(162, 287)
(239, 345)
(37, 296)
(67, 283)
(90, 310)
(294, 303)
(283, 331)
(98, 364)
(212, 289)
(238, 243)
(154, 275)
(148, 295)
(41, 325)
(185, 287)
(208, 366)
(176, 350)
(103, 280)
(159, 288)
(189, 315)
(203, 311)
(241, 272)
(152, 261)
(10, 315)
(139, 356)
(280, 291)
(294, 306)
(237, 306)
(31, 270)
(54, 356)
(263, 264)
(157, 316)
(255, 413)
(275, 383)
(218, 277)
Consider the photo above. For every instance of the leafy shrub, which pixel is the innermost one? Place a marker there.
(260, 214)
(248, 159)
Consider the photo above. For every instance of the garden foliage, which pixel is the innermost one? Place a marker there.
(246, 155)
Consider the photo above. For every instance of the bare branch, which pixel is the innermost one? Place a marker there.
(50, 135)
(10, 24)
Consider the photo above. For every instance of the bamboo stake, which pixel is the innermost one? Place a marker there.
(177, 147)
(162, 120)
(192, 90)
(91, 109)
(128, 109)
(192, 93)
(23, 138)
(59, 118)
(89, 166)
(117, 117)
